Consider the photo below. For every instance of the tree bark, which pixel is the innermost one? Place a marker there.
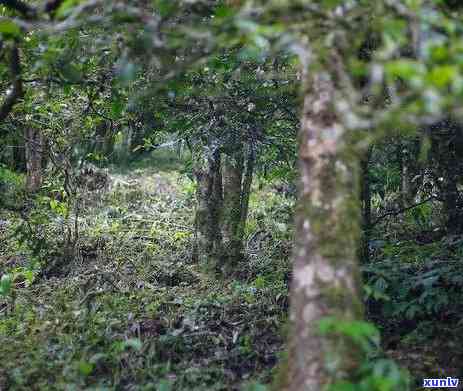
(405, 178)
(366, 206)
(223, 189)
(325, 267)
(246, 190)
(443, 138)
(19, 156)
(454, 224)
(231, 211)
(209, 200)
(34, 152)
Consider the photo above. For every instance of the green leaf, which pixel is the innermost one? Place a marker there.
(9, 29)
(85, 368)
(29, 276)
(361, 332)
(117, 107)
(6, 284)
(405, 69)
(439, 53)
(224, 11)
(442, 76)
(66, 8)
(394, 29)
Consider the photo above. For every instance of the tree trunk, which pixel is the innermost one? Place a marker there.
(223, 189)
(405, 178)
(34, 151)
(246, 190)
(325, 268)
(19, 156)
(209, 201)
(409, 169)
(446, 171)
(231, 211)
(454, 224)
(365, 194)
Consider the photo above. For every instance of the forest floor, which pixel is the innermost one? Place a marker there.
(133, 311)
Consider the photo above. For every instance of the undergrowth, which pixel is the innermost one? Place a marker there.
(130, 310)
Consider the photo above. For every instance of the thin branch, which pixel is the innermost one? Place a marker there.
(400, 211)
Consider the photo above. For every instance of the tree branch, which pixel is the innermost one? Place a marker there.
(400, 211)
(16, 92)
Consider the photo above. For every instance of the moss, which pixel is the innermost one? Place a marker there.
(336, 297)
(336, 232)
(280, 378)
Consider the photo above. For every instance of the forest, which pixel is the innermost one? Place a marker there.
(231, 195)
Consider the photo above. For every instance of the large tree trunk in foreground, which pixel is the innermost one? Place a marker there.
(325, 268)
(34, 152)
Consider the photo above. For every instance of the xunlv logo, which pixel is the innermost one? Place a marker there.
(434, 383)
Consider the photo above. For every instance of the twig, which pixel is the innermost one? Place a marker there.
(400, 211)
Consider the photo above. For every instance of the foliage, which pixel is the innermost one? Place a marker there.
(376, 372)
(415, 290)
(11, 186)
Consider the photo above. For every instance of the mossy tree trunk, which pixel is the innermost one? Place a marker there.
(233, 168)
(223, 190)
(208, 245)
(325, 266)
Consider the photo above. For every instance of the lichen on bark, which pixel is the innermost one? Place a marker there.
(325, 271)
